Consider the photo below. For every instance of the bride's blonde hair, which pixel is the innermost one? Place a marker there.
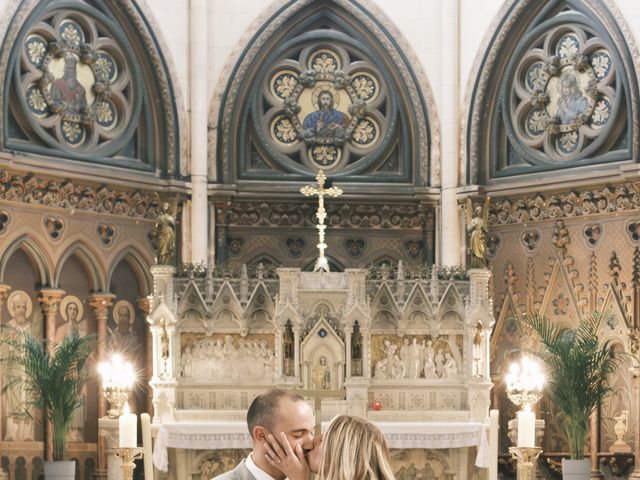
(354, 449)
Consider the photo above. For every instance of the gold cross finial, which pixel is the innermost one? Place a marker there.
(321, 214)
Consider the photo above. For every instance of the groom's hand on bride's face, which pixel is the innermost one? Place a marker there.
(289, 459)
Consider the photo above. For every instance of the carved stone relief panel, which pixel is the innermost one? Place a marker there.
(227, 358)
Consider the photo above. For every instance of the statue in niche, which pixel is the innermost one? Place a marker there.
(395, 366)
(321, 375)
(450, 367)
(288, 348)
(477, 226)
(356, 352)
(163, 234)
(20, 426)
(429, 361)
(571, 102)
(326, 122)
(71, 311)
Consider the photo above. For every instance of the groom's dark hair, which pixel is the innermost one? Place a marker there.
(263, 410)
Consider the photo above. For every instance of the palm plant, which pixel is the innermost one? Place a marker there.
(52, 381)
(579, 365)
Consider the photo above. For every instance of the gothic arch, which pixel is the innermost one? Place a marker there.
(553, 87)
(138, 264)
(121, 110)
(88, 259)
(35, 252)
(285, 30)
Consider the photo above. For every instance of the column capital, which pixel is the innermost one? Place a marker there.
(49, 299)
(4, 292)
(101, 301)
(144, 304)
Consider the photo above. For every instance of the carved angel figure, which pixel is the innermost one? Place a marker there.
(477, 226)
(163, 234)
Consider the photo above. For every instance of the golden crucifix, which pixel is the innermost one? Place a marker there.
(321, 214)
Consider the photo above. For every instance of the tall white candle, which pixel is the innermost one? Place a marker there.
(128, 423)
(526, 428)
(145, 422)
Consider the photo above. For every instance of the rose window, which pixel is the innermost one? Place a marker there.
(325, 108)
(564, 95)
(74, 82)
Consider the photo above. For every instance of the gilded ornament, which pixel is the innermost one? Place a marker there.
(72, 131)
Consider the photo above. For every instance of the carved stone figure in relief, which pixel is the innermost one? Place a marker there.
(187, 363)
(439, 362)
(450, 367)
(404, 355)
(395, 367)
(20, 426)
(414, 359)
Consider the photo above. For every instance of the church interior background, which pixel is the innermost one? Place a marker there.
(528, 109)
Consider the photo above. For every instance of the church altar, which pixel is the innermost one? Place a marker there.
(224, 435)
(415, 348)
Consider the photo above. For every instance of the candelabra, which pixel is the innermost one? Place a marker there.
(525, 457)
(128, 455)
(524, 388)
(525, 382)
(118, 378)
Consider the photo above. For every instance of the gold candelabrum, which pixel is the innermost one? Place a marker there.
(128, 456)
(322, 264)
(525, 458)
(118, 378)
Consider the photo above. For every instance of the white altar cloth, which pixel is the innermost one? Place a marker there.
(218, 435)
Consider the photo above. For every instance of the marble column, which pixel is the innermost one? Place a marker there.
(199, 135)
(450, 238)
(144, 304)
(49, 299)
(101, 302)
(347, 342)
(366, 357)
(4, 293)
(635, 372)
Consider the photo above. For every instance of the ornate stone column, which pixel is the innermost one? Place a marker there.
(144, 304)
(366, 355)
(635, 371)
(49, 299)
(279, 352)
(100, 303)
(4, 292)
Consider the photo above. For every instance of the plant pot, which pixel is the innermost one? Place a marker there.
(60, 470)
(576, 469)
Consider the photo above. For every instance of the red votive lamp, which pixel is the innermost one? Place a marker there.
(377, 406)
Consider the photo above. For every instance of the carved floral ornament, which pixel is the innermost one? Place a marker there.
(74, 81)
(326, 107)
(563, 93)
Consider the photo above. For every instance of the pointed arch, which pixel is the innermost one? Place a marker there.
(89, 261)
(35, 252)
(127, 115)
(360, 25)
(140, 266)
(515, 125)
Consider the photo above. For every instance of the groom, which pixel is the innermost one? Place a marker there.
(274, 413)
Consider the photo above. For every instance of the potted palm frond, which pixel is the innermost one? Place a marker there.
(53, 382)
(579, 365)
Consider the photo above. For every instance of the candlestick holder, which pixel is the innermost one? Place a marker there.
(525, 458)
(128, 455)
